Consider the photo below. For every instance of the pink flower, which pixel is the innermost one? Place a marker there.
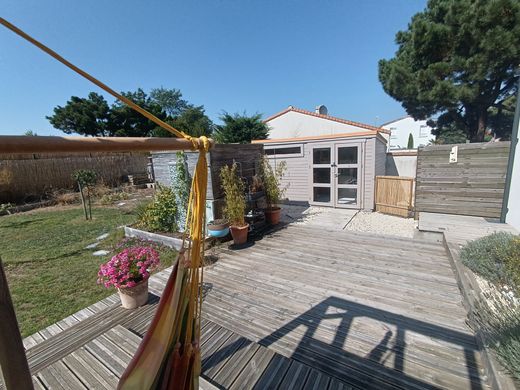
(129, 267)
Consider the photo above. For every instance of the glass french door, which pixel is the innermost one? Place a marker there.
(347, 174)
(336, 175)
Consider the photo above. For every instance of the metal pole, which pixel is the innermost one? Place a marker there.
(511, 159)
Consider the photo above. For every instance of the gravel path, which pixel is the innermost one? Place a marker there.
(377, 223)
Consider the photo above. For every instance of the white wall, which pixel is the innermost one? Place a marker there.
(513, 213)
(295, 124)
(401, 130)
(401, 164)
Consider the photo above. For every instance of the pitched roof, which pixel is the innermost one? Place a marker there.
(396, 120)
(327, 117)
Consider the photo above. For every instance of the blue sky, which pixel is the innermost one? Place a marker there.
(254, 56)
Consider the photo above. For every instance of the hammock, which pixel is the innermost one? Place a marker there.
(169, 354)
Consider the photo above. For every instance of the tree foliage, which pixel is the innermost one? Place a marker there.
(455, 62)
(86, 116)
(410, 141)
(241, 129)
(93, 116)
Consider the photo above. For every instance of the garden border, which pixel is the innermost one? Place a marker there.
(471, 292)
(172, 242)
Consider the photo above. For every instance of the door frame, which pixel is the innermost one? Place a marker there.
(359, 177)
(333, 166)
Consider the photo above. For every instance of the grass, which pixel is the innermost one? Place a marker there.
(50, 273)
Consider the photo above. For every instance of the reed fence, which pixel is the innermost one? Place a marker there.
(394, 195)
(32, 177)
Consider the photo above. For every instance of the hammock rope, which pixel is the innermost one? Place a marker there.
(169, 354)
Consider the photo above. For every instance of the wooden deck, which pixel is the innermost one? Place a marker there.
(302, 308)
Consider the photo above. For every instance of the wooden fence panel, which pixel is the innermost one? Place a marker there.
(473, 185)
(394, 195)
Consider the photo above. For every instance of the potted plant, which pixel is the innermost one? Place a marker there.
(234, 203)
(218, 228)
(129, 271)
(272, 179)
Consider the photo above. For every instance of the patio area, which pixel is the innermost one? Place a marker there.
(305, 307)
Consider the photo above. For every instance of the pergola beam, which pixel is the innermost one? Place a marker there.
(39, 144)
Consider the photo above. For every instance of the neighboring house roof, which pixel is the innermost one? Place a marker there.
(320, 137)
(327, 117)
(396, 120)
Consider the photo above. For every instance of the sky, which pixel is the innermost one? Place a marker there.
(229, 55)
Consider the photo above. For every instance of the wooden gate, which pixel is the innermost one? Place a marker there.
(394, 195)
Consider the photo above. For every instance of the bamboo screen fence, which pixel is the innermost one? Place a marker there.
(394, 195)
(31, 176)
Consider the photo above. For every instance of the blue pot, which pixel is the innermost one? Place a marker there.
(218, 230)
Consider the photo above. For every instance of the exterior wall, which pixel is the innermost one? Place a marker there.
(369, 169)
(298, 175)
(402, 128)
(296, 178)
(295, 124)
(401, 163)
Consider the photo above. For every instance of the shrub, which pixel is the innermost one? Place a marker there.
(499, 320)
(5, 207)
(181, 184)
(272, 180)
(487, 257)
(65, 198)
(234, 195)
(160, 215)
(513, 263)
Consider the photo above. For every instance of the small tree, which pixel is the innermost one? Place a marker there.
(234, 195)
(410, 141)
(272, 180)
(85, 179)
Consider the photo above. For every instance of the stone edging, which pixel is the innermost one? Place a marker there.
(172, 242)
(498, 378)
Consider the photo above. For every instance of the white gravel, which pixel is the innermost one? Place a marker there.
(377, 223)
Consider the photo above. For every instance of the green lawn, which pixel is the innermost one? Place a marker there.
(50, 273)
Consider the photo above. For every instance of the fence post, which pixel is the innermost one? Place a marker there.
(13, 361)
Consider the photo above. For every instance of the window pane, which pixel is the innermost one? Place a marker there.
(321, 156)
(321, 175)
(347, 175)
(290, 150)
(322, 194)
(347, 196)
(347, 155)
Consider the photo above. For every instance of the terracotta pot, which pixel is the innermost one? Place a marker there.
(272, 215)
(132, 297)
(239, 234)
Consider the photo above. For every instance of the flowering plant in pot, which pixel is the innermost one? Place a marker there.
(272, 179)
(234, 202)
(129, 271)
